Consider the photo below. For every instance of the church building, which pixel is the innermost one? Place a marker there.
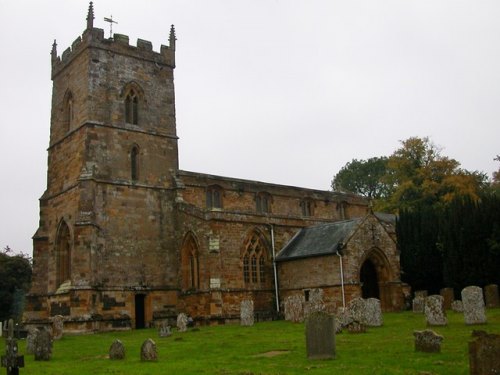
(127, 239)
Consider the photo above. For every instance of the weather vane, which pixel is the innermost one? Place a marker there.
(111, 22)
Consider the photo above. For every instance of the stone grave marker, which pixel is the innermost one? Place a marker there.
(294, 310)
(418, 304)
(164, 329)
(320, 335)
(457, 306)
(357, 310)
(474, 310)
(342, 319)
(12, 361)
(491, 295)
(246, 313)
(148, 351)
(43, 345)
(182, 321)
(434, 311)
(373, 313)
(484, 354)
(315, 302)
(448, 297)
(117, 350)
(421, 293)
(356, 327)
(427, 341)
(57, 327)
(30, 340)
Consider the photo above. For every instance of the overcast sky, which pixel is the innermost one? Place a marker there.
(273, 90)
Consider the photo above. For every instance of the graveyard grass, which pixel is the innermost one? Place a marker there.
(268, 348)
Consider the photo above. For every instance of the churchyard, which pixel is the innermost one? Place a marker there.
(277, 347)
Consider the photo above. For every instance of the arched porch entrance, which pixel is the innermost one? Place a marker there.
(375, 276)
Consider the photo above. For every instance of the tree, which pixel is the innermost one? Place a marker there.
(363, 177)
(15, 280)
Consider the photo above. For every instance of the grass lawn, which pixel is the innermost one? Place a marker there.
(268, 348)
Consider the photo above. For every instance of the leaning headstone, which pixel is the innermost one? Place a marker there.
(434, 311)
(373, 313)
(30, 340)
(484, 354)
(418, 304)
(457, 306)
(320, 335)
(448, 297)
(357, 309)
(12, 360)
(43, 346)
(117, 350)
(148, 351)
(315, 302)
(164, 330)
(491, 295)
(427, 341)
(182, 321)
(294, 310)
(474, 311)
(57, 327)
(246, 313)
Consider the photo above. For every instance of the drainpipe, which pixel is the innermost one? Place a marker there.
(275, 271)
(341, 276)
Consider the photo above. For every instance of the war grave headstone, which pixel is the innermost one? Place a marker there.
(148, 351)
(246, 313)
(448, 297)
(320, 335)
(435, 314)
(182, 321)
(484, 354)
(491, 295)
(12, 361)
(117, 350)
(427, 341)
(43, 345)
(457, 306)
(294, 308)
(473, 302)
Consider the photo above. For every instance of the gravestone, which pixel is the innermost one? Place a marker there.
(294, 310)
(164, 329)
(427, 341)
(491, 295)
(474, 311)
(117, 350)
(182, 321)
(421, 293)
(434, 311)
(246, 313)
(30, 340)
(12, 361)
(315, 302)
(373, 313)
(418, 305)
(43, 345)
(457, 306)
(148, 351)
(342, 319)
(320, 335)
(357, 309)
(57, 327)
(484, 354)
(356, 327)
(448, 297)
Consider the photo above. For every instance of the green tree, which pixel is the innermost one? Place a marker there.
(15, 280)
(363, 177)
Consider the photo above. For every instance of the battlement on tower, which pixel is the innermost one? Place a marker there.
(94, 38)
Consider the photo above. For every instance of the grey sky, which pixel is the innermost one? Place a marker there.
(279, 91)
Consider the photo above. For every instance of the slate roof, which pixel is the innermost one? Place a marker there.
(323, 239)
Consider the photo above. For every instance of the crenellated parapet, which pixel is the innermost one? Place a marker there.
(94, 38)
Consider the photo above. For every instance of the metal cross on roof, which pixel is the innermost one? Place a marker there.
(111, 22)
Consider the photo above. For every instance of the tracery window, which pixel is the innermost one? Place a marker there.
(63, 254)
(255, 261)
(190, 263)
(132, 107)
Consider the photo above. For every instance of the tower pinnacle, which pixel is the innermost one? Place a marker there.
(172, 38)
(90, 17)
(53, 53)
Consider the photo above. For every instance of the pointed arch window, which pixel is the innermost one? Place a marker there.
(134, 163)
(255, 261)
(190, 263)
(63, 254)
(132, 107)
(68, 111)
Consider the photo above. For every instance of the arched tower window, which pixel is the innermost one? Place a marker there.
(189, 263)
(132, 107)
(255, 260)
(63, 254)
(68, 111)
(134, 163)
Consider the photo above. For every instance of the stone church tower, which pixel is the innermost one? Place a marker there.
(126, 238)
